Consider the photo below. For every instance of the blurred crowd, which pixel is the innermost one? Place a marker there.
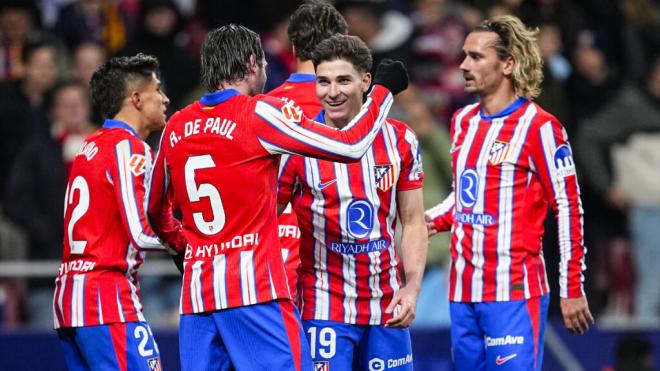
(602, 81)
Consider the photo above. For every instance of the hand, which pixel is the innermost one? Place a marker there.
(406, 300)
(392, 75)
(430, 226)
(577, 317)
(617, 198)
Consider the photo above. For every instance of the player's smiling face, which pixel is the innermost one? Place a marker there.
(339, 87)
(482, 69)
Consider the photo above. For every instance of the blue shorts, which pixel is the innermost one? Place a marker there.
(117, 346)
(342, 346)
(498, 335)
(266, 336)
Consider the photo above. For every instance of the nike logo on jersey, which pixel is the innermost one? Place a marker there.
(500, 360)
(323, 185)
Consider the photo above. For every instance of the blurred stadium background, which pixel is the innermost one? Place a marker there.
(602, 80)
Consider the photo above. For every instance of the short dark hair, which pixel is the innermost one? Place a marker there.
(313, 22)
(110, 82)
(226, 55)
(35, 42)
(349, 48)
(49, 99)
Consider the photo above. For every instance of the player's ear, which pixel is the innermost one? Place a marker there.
(252, 65)
(509, 65)
(366, 82)
(136, 99)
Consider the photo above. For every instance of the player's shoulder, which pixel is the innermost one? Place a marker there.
(466, 111)
(399, 126)
(542, 117)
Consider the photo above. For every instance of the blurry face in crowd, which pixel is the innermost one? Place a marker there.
(71, 109)
(41, 69)
(160, 21)
(549, 41)
(15, 24)
(88, 58)
(339, 87)
(483, 71)
(153, 104)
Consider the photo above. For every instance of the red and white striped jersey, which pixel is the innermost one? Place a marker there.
(348, 215)
(106, 230)
(218, 161)
(507, 168)
(301, 89)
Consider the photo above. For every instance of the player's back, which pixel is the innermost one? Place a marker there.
(224, 182)
(301, 89)
(97, 281)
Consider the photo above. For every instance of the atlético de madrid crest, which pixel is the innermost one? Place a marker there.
(498, 152)
(384, 175)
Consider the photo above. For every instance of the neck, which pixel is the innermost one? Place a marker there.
(134, 122)
(497, 101)
(305, 67)
(241, 86)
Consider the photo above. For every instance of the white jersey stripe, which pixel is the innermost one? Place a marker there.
(196, 287)
(120, 307)
(478, 234)
(248, 286)
(98, 302)
(77, 301)
(123, 153)
(219, 281)
(321, 284)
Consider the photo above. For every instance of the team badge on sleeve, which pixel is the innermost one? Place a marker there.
(384, 175)
(291, 112)
(137, 164)
(563, 159)
(498, 152)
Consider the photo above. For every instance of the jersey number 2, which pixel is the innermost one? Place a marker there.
(216, 224)
(79, 184)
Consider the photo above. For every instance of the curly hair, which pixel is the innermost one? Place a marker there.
(313, 22)
(109, 84)
(349, 48)
(517, 41)
(226, 55)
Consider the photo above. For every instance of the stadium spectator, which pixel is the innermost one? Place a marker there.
(22, 114)
(352, 291)
(91, 20)
(222, 172)
(96, 305)
(511, 159)
(18, 18)
(161, 33)
(311, 23)
(633, 120)
(33, 197)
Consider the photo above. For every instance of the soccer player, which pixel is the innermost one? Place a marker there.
(218, 160)
(311, 23)
(97, 310)
(355, 308)
(510, 160)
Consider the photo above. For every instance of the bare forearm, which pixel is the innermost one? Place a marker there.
(414, 245)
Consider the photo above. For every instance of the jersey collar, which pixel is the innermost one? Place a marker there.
(320, 117)
(117, 124)
(220, 96)
(505, 112)
(301, 77)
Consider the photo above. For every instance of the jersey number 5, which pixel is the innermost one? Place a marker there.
(216, 224)
(79, 184)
